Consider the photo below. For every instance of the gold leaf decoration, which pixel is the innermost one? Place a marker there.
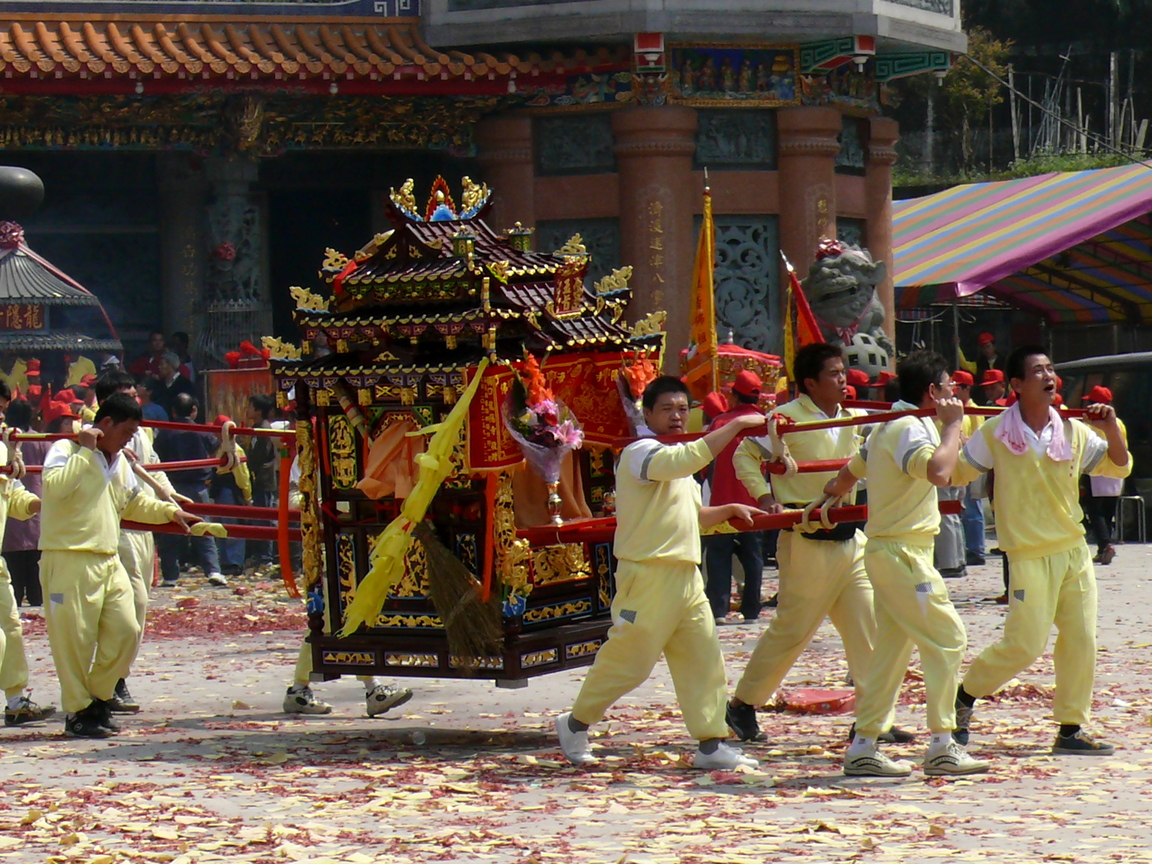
(614, 281)
(309, 300)
(279, 349)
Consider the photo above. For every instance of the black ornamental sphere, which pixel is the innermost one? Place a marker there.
(21, 192)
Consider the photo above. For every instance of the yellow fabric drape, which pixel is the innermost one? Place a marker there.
(435, 464)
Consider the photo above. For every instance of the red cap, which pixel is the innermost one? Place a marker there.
(1099, 394)
(55, 411)
(714, 405)
(33, 366)
(65, 396)
(985, 338)
(221, 419)
(88, 380)
(747, 384)
(962, 378)
(850, 390)
(884, 376)
(857, 377)
(992, 376)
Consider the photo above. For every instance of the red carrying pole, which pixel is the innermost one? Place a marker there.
(237, 511)
(216, 430)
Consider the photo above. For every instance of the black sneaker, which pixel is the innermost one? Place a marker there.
(975, 559)
(894, 735)
(122, 701)
(772, 602)
(102, 711)
(742, 721)
(27, 711)
(963, 723)
(1081, 744)
(86, 724)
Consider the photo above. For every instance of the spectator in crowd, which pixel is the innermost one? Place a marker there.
(1100, 495)
(994, 386)
(726, 489)
(181, 446)
(262, 458)
(21, 537)
(172, 383)
(972, 517)
(149, 363)
(145, 393)
(80, 369)
(178, 343)
(34, 390)
(232, 487)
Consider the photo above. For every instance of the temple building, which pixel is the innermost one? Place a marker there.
(200, 156)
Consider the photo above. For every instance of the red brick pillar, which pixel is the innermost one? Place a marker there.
(878, 208)
(658, 197)
(807, 164)
(505, 153)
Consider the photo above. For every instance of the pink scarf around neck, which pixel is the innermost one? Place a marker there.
(1012, 433)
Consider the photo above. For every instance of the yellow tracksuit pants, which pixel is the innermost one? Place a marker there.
(13, 663)
(660, 607)
(303, 673)
(912, 609)
(138, 555)
(91, 622)
(818, 579)
(1057, 589)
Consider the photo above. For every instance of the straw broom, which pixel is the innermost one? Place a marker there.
(474, 628)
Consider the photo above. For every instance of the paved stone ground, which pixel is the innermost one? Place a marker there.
(211, 771)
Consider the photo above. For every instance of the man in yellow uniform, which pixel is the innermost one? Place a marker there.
(19, 503)
(92, 629)
(821, 574)
(905, 461)
(660, 605)
(1038, 457)
(136, 548)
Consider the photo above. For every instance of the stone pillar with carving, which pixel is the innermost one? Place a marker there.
(505, 153)
(658, 197)
(238, 302)
(808, 145)
(882, 138)
(182, 188)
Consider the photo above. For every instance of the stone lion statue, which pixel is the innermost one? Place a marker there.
(841, 289)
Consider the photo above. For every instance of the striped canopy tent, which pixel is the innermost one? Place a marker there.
(1074, 247)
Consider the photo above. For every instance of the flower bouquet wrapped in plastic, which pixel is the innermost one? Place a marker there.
(543, 427)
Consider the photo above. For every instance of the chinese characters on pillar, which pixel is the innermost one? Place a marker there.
(656, 247)
(822, 220)
(569, 287)
(21, 316)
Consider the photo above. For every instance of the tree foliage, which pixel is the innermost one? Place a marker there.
(969, 92)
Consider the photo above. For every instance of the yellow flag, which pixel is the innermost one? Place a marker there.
(701, 373)
(387, 559)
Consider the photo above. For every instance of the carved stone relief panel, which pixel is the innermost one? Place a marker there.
(574, 144)
(852, 231)
(853, 135)
(601, 238)
(736, 139)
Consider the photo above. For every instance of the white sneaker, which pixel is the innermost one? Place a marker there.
(722, 758)
(952, 760)
(217, 579)
(302, 701)
(574, 745)
(873, 763)
(384, 697)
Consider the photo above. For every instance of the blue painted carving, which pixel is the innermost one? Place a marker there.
(736, 139)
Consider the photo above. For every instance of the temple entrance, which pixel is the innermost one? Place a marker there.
(333, 199)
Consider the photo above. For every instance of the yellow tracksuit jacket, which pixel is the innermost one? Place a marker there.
(15, 501)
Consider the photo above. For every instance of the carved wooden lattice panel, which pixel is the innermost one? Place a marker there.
(747, 281)
(601, 238)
